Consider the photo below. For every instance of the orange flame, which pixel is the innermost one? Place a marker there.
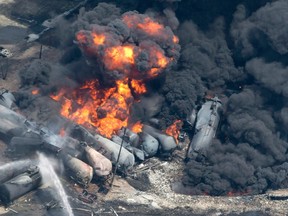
(58, 96)
(81, 37)
(150, 27)
(175, 39)
(105, 109)
(147, 25)
(174, 129)
(123, 57)
(135, 58)
(138, 86)
(35, 91)
(62, 132)
(160, 62)
(98, 39)
(119, 58)
(137, 127)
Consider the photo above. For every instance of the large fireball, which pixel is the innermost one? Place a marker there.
(137, 48)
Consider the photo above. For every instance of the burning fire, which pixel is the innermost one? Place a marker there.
(238, 193)
(58, 96)
(174, 129)
(35, 91)
(138, 86)
(105, 109)
(62, 132)
(144, 59)
(119, 58)
(137, 127)
(143, 53)
(98, 39)
(144, 25)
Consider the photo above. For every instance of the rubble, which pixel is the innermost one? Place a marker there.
(5, 53)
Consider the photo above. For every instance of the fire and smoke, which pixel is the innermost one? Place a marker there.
(130, 47)
(174, 129)
(251, 155)
(134, 46)
(239, 51)
(105, 109)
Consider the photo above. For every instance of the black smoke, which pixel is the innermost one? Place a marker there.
(235, 48)
(251, 152)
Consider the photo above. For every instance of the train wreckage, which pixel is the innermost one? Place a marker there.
(83, 154)
(86, 155)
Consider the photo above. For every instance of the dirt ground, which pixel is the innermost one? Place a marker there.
(153, 195)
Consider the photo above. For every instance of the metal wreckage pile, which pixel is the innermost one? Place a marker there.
(83, 154)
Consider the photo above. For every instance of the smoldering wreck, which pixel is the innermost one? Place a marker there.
(115, 91)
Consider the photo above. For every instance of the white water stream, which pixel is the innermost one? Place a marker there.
(48, 173)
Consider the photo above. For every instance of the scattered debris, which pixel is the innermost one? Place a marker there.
(114, 211)
(82, 210)
(51, 204)
(87, 197)
(5, 53)
(10, 209)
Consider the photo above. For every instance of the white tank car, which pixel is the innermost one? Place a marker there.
(167, 143)
(111, 151)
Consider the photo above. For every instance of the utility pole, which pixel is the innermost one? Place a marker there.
(117, 162)
(40, 53)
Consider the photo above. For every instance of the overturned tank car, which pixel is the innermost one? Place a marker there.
(206, 124)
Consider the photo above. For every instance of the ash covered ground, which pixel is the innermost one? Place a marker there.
(234, 48)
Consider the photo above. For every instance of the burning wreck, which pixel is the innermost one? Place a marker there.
(118, 86)
(97, 129)
(83, 154)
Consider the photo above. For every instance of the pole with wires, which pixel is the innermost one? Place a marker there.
(117, 162)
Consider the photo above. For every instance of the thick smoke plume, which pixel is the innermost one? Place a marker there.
(134, 46)
(251, 155)
(124, 54)
(237, 49)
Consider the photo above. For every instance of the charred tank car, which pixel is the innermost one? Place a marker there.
(206, 125)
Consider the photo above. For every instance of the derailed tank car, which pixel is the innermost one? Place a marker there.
(101, 165)
(167, 143)
(20, 185)
(12, 169)
(207, 121)
(76, 169)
